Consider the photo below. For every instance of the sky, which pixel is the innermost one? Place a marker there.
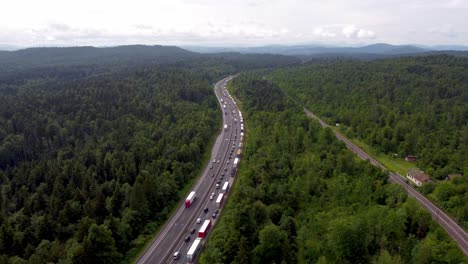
(232, 22)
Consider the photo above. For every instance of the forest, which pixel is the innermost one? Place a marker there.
(97, 145)
(85, 166)
(302, 197)
(404, 106)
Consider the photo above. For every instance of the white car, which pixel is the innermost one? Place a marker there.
(198, 220)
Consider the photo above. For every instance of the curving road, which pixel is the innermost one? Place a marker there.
(173, 234)
(453, 229)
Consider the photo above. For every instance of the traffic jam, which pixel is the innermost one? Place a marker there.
(206, 221)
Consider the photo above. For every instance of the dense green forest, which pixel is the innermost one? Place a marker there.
(86, 165)
(414, 105)
(302, 197)
(96, 145)
(409, 106)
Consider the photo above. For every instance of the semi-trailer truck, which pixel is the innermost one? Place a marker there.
(219, 200)
(193, 250)
(190, 199)
(204, 229)
(225, 187)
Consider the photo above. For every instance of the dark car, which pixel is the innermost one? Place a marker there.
(192, 231)
(205, 210)
(187, 239)
(213, 216)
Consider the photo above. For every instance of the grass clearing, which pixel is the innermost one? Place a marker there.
(395, 164)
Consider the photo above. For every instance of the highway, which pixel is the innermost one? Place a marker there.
(453, 229)
(173, 235)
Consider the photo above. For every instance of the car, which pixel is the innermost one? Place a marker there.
(193, 230)
(211, 167)
(214, 160)
(219, 182)
(187, 239)
(227, 162)
(213, 216)
(219, 161)
(217, 211)
(217, 186)
(213, 175)
(211, 197)
(176, 255)
(205, 210)
(198, 220)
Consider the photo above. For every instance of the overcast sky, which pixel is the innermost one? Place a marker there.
(232, 22)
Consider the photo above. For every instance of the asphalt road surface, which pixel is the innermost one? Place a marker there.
(453, 229)
(173, 235)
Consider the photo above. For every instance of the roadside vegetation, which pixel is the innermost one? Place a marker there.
(397, 107)
(301, 197)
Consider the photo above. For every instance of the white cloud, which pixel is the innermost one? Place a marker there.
(246, 22)
(338, 32)
(351, 31)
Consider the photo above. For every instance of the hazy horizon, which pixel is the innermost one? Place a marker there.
(233, 23)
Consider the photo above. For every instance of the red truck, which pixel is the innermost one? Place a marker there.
(204, 229)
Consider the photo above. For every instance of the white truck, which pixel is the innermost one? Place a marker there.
(189, 200)
(219, 200)
(225, 187)
(193, 250)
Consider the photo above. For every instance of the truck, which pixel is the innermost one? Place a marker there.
(236, 161)
(219, 200)
(190, 199)
(233, 171)
(194, 249)
(239, 152)
(225, 187)
(204, 229)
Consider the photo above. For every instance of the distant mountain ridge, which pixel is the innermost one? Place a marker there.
(90, 55)
(378, 49)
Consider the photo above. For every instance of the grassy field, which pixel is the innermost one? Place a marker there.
(395, 164)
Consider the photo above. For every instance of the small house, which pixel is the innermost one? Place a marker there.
(410, 158)
(417, 176)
